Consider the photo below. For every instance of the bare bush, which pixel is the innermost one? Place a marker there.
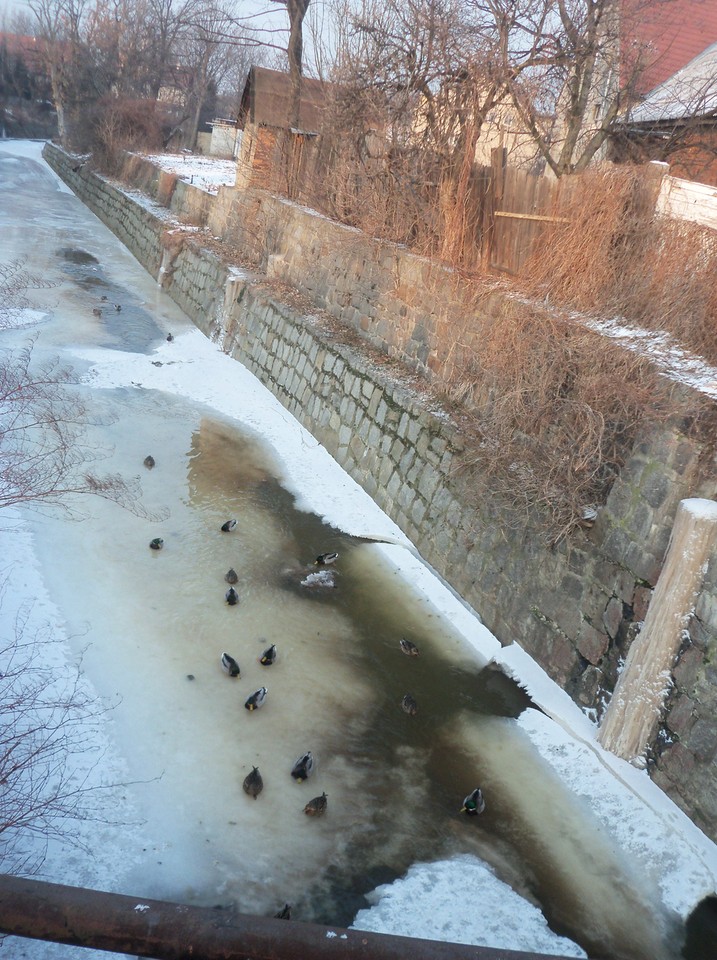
(119, 124)
(614, 257)
(43, 457)
(47, 715)
(49, 750)
(14, 284)
(555, 410)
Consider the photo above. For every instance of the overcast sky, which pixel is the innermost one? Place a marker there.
(266, 9)
(9, 7)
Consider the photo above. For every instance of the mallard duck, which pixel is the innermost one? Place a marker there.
(257, 699)
(409, 705)
(230, 665)
(149, 461)
(229, 526)
(268, 656)
(231, 575)
(103, 298)
(284, 913)
(118, 307)
(474, 803)
(408, 647)
(303, 768)
(169, 338)
(317, 806)
(231, 596)
(96, 312)
(253, 784)
(156, 544)
(324, 559)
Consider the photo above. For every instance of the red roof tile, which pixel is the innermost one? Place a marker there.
(676, 31)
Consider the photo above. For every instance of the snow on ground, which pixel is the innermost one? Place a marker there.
(441, 895)
(207, 173)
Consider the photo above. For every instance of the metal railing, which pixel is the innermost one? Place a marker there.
(174, 931)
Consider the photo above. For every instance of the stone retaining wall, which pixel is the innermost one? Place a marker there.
(572, 607)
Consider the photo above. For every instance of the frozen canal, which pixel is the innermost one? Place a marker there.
(585, 839)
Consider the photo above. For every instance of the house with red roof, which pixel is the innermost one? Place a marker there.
(675, 118)
(666, 35)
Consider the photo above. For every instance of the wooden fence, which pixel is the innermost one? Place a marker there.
(495, 223)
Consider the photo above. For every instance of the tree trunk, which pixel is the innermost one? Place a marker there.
(297, 11)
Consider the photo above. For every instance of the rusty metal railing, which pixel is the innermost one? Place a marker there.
(174, 931)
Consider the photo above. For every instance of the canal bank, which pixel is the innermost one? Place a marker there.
(342, 354)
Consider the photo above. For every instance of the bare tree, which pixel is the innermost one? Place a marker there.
(47, 762)
(418, 65)
(206, 57)
(80, 45)
(43, 458)
(59, 24)
(564, 65)
(295, 50)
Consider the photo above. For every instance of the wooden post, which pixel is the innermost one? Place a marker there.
(494, 198)
(174, 931)
(632, 715)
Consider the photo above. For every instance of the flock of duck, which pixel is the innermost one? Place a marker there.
(303, 767)
(97, 311)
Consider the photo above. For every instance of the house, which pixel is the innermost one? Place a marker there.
(640, 45)
(266, 106)
(267, 100)
(676, 122)
(668, 34)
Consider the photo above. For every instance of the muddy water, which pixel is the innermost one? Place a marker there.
(151, 627)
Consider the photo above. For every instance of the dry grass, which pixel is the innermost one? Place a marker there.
(556, 409)
(615, 258)
(555, 406)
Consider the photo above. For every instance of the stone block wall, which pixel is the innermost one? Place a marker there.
(408, 307)
(574, 607)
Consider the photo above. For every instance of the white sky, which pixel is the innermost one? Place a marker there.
(10, 7)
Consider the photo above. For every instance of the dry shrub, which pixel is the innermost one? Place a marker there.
(681, 288)
(120, 124)
(387, 197)
(555, 406)
(389, 186)
(556, 409)
(616, 258)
